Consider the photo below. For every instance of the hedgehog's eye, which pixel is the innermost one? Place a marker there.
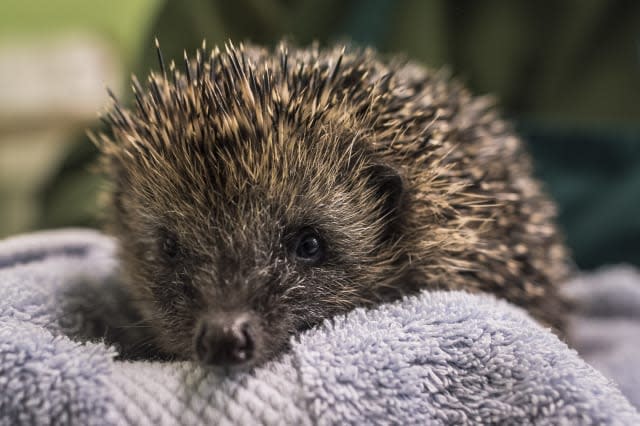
(310, 247)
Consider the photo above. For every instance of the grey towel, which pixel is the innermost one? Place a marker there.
(606, 328)
(435, 358)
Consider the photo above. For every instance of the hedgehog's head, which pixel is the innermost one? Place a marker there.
(249, 201)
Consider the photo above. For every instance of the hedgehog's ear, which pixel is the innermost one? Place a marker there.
(389, 186)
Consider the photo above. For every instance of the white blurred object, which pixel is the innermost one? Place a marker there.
(49, 90)
(52, 83)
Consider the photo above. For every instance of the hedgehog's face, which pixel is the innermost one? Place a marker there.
(250, 203)
(228, 267)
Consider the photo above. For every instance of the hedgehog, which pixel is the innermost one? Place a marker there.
(257, 192)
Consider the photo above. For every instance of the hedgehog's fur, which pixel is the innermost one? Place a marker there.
(411, 182)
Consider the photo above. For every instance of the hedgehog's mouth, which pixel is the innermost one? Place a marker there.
(226, 338)
(237, 340)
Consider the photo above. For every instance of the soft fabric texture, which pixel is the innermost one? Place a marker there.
(435, 358)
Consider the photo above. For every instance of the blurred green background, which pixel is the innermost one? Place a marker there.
(121, 23)
(567, 73)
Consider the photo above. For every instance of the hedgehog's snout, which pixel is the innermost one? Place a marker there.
(225, 339)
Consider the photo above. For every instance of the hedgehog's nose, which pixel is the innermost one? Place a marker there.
(225, 339)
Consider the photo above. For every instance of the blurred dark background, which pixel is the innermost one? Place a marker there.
(567, 73)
